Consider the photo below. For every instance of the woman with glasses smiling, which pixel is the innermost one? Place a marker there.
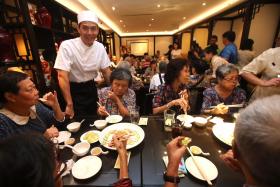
(226, 91)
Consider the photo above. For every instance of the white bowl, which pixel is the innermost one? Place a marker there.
(200, 121)
(81, 149)
(74, 127)
(100, 124)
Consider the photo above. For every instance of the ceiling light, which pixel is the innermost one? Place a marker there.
(184, 17)
(204, 4)
(147, 30)
(152, 19)
(113, 8)
(124, 25)
(150, 25)
(126, 31)
(121, 21)
(158, 5)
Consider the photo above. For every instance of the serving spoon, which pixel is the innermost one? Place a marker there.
(198, 151)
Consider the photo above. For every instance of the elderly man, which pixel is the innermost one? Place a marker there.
(78, 62)
(255, 150)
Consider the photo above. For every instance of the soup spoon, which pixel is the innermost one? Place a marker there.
(198, 151)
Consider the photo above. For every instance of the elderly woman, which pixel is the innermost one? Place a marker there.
(255, 149)
(32, 159)
(117, 98)
(224, 92)
(21, 112)
(173, 93)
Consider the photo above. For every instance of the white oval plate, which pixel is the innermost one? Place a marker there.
(186, 118)
(208, 167)
(63, 136)
(224, 132)
(114, 119)
(94, 131)
(86, 167)
(137, 137)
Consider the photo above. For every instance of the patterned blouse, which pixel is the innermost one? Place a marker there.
(128, 99)
(166, 95)
(211, 98)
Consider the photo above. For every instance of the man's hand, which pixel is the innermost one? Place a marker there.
(69, 111)
(230, 161)
(50, 99)
(175, 151)
(120, 144)
(271, 82)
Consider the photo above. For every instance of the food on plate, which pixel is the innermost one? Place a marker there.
(70, 141)
(91, 137)
(220, 109)
(186, 141)
(131, 136)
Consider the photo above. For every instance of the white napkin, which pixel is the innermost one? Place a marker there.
(69, 165)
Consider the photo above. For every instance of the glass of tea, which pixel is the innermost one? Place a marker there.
(177, 129)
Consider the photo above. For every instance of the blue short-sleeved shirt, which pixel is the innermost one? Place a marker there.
(230, 53)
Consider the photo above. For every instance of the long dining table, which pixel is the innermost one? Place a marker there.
(146, 165)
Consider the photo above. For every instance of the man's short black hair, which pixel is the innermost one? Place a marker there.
(230, 36)
(211, 49)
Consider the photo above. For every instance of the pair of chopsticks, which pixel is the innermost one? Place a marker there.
(231, 106)
(101, 106)
(201, 171)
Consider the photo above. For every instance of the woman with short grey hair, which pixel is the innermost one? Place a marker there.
(226, 91)
(118, 97)
(256, 146)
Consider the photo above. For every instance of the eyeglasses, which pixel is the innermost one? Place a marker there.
(232, 79)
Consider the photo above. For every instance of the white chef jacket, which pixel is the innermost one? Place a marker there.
(82, 62)
(268, 65)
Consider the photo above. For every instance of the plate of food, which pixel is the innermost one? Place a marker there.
(114, 119)
(185, 118)
(224, 132)
(90, 136)
(86, 167)
(135, 135)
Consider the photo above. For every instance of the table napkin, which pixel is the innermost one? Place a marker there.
(117, 164)
(143, 121)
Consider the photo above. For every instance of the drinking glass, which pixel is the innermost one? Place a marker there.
(177, 129)
(134, 114)
(169, 119)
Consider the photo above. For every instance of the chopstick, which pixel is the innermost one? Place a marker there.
(201, 171)
(231, 106)
(101, 106)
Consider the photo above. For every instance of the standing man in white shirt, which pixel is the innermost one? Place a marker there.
(78, 62)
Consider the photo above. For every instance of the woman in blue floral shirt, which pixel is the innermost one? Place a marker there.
(224, 92)
(117, 98)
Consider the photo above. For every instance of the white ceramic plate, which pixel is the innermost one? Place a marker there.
(136, 134)
(63, 136)
(224, 132)
(95, 132)
(114, 119)
(186, 118)
(217, 120)
(208, 167)
(86, 167)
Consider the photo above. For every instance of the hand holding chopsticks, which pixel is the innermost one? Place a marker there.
(103, 109)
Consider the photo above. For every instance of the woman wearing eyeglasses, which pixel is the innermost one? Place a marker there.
(225, 91)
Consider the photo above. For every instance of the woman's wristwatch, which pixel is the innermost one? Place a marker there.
(171, 179)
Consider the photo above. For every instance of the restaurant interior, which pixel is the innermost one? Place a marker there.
(139, 93)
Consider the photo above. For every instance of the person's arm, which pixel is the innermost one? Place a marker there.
(161, 109)
(175, 151)
(50, 99)
(64, 84)
(106, 74)
(253, 79)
